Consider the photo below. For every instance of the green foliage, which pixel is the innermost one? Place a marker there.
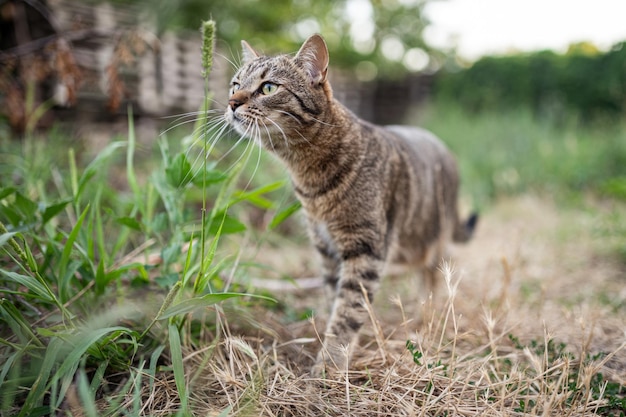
(73, 250)
(509, 152)
(581, 84)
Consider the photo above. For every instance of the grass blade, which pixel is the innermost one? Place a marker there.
(38, 389)
(38, 289)
(177, 364)
(205, 301)
(65, 275)
(284, 214)
(86, 395)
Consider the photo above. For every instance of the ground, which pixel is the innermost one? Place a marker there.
(530, 320)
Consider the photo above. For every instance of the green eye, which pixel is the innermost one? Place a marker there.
(269, 88)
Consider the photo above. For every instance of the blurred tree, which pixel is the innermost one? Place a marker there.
(375, 37)
(584, 82)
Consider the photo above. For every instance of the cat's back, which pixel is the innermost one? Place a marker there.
(421, 144)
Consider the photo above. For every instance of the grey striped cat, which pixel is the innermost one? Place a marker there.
(371, 194)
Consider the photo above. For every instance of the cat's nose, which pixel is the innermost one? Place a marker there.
(234, 103)
(237, 99)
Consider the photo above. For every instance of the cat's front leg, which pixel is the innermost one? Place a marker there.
(361, 267)
(330, 259)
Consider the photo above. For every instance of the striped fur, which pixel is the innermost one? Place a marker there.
(371, 194)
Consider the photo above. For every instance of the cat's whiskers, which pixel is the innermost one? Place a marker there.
(290, 115)
(207, 138)
(246, 134)
(232, 63)
(322, 122)
(258, 162)
(193, 118)
(280, 129)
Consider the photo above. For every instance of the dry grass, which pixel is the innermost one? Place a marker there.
(521, 326)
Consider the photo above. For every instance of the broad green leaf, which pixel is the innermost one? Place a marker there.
(25, 206)
(210, 176)
(6, 191)
(178, 172)
(52, 210)
(229, 225)
(8, 212)
(284, 214)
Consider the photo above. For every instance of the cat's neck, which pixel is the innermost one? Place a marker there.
(334, 145)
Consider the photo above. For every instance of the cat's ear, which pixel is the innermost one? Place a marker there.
(248, 54)
(313, 56)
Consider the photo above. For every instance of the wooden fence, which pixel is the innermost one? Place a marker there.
(163, 77)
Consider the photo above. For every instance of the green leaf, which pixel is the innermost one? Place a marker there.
(96, 165)
(11, 214)
(101, 278)
(82, 341)
(229, 225)
(129, 222)
(64, 273)
(253, 196)
(36, 287)
(284, 214)
(20, 327)
(86, 395)
(5, 237)
(205, 301)
(210, 176)
(177, 363)
(171, 253)
(25, 206)
(38, 389)
(52, 210)
(203, 279)
(178, 172)
(6, 191)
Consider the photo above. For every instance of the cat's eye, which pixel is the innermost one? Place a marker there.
(269, 88)
(235, 87)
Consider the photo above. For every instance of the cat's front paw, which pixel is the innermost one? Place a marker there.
(330, 361)
(318, 370)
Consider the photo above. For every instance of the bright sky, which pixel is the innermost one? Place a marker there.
(480, 27)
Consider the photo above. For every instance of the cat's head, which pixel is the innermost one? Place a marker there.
(277, 100)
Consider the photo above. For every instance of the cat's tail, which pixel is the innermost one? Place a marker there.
(464, 230)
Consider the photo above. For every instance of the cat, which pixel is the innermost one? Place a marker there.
(370, 194)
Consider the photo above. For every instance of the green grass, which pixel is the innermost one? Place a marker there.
(76, 254)
(113, 269)
(513, 152)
